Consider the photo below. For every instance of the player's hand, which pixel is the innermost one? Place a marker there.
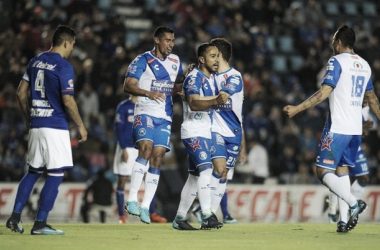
(182, 95)
(290, 110)
(243, 157)
(222, 98)
(124, 155)
(156, 96)
(83, 134)
(190, 68)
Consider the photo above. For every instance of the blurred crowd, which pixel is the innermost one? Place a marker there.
(266, 35)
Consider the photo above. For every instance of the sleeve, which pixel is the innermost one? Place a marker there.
(190, 86)
(137, 67)
(233, 84)
(119, 126)
(369, 85)
(333, 71)
(27, 73)
(66, 80)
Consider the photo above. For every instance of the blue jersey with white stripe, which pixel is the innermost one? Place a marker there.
(155, 75)
(49, 76)
(123, 123)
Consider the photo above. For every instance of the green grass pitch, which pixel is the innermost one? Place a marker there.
(136, 236)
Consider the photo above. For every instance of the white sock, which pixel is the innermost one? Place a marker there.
(188, 195)
(336, 185)
(214, 183)
(218, 195)
(204, 190)
(136, 178)
(151, 182)
(333, 203)
(343, 206)
(357, 189)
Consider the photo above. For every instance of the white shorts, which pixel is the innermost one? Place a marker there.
(50, 148)
(121, 167)
(230, 174)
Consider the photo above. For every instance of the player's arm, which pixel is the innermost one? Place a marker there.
(72, 110)
(322, 94)
(197, 104)
(243, 150)
(131, 87)
(373, 102)
(22, 96)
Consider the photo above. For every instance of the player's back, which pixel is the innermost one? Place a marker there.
(227, 119)
(50, 76)
(347, 98)
(197, 123)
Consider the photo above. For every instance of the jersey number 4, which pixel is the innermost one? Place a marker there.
(357, 86)
(39, 84)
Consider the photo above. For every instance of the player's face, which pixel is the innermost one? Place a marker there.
(212, 59)
(164, 44)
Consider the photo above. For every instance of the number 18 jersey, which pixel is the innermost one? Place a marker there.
(49, 76)
(350, 76)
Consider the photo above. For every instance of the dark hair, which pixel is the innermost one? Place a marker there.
(346, 35)
(201, 51)
(162, 30)
(63, 33)
(224, 46)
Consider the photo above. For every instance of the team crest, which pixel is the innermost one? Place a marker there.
(203, 155)
(142, 131)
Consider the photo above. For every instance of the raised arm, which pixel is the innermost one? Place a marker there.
(322, 94)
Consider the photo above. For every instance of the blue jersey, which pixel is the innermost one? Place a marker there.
(123, 124)
(49, 76)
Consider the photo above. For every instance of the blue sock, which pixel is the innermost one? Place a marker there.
(24, 189)
(152, 207)
(224, 206)
(48, 195)
(120, 200)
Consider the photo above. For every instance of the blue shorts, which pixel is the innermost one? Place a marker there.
(226, 147)
(361, 165)
(337, 150)
(198, 149)
(153, 129)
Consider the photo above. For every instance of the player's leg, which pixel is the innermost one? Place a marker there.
(332, 207)
(154, 217)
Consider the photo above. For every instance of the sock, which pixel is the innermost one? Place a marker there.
(48, 195)
(24, 189)
(120, 200)
(214, 183)
(343, 206)
(357, 189)
(188, 195)
(218, 195)
(224, 205)
(151, 182)
(204, 191)
(136, 178)
(333, 203)
(336, 185)
(152, 207)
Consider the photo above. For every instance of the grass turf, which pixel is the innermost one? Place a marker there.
(136, 236)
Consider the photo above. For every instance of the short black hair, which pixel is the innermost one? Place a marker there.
(201, 51)
(63, 33)
(346, 35)
(224, 46)
(162, 30)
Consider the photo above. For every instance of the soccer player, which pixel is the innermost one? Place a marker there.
(346, 83)
(126, 155)
(227, 130)
(50, 78)
(151, 76)
(200, 97)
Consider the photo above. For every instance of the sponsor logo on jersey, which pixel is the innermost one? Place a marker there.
(130, 118)
(357, 65)
(149, 123)
(156, 67)
(203, 155)
(174, 67)
(194, 144)
(151, 60)
(198, 116)
(164, 86)
(219, 140)
(71, 83)
(173, 60)
(42, 65)
(132, 69)
(36, 112)
(41, 103)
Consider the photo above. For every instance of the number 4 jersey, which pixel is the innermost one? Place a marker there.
(49, 76)
(350, 76)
